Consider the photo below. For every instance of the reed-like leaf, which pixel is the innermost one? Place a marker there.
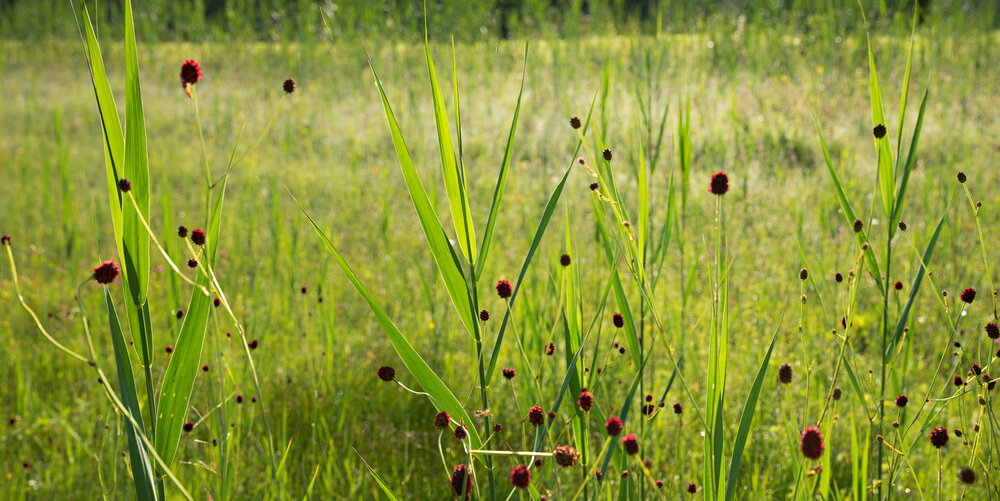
(914, 289)
(135, 239)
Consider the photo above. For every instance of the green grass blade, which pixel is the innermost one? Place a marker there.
(643, 230)
(134, 236)
(886, 173)
(378, 480)
(425, 376)
(447, 261)
(454, 179)
(631, 337)
(845, 205)
(914, 288)
(501, 178)
(746, 419)
(142, 470)
(908, 166)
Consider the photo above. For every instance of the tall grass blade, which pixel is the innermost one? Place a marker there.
(914, 289)
(908, 165)
(378, 480)
(134, 236)
(886, 170)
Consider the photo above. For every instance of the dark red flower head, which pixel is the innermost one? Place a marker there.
(503, 289)
(5, 240)
(968, 295)
(803, 274)
(961, 177)
(182, 231)
(386, 373)
(678, 408)
(898, 286)
(190, 72)
(442, 419)
(878, 131)
(566, 455)
(659, 484)
(303, 289)
(585, 401)
(106, 272)
(901, 401)
(967, 475)
(958, 381)
(188, 426)
(564, 260)
(614, 426)
(785, 374)
(719, 184)
(124, 185)
(484, 315)
(858, 225)
(288, 86)
(520, 476)
(461, 431)
(692, 487)
(192, 263)
(461, 481)
(618, 320)
(976, 369)
(631, 444)
(239, 399)
(812, 443)
(180, 313)
(217, 302)
(205, 368)
(837, 392)
(607, 154)
(939, 437)
(992, 330)
(550, 348)
(594, 186)
(536, 416)
(574, 122)
(509, 373)
(169, 349)
(198, 236)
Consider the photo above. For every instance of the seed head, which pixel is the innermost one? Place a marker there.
(594, 186)
(190, 72)
(520, 476)
(976, 369)
(585, 401)
(188, 426)
(198, 236)
(461, 482)
(968, 295)
(838, 277)
(550, 348)
(564, 260)
(106, 272)
(902, 226)
(288, 86)
(192, 263)
(217, 302)
(461, 431)
(837, 392)
(503, 289)
(575, 122)
(618, 320)
(565, 455)
(386, 373)
(182, 231)
(901, 401)
(898, 286)
(169, 349)
(939, 437)
(812, 443)
(254, 344)
(497, 427)
(484, 315)
(659, 484)
(607, 154)
(678, 408)
(785, 374)
(967, 475)
(614, 426)
(239, 399)
(180, 313)
(879, 131)
(536, 416)
(958, 381)
(124, 185)
(858, 225)
(961, 177)
(5, 240)
(692, 488)
(631, 444)
(441, 420)
(992, 330)
(719, 184)
(509, 373)
(205, 368)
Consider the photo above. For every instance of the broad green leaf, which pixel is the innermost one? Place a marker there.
(501, 178)
(914, 288)
(448, 263)
(454, 178)
(134, 236)
(440, 394)
(142, 470)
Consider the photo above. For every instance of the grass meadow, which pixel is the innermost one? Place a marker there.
(706, 296)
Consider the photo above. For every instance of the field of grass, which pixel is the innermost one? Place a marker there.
(753, 93)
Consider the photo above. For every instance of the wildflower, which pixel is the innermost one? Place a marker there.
(575, 122)
(837, 393)
(585, 401)
(630, 443)
(967, 475)
(976, 369)
(902, 226)
(198, 236)
(461, 482)
(188, 426)
(182, 231)
(217, 302)
(253, 344)
(659, 484)
(607, 154)
(26, 465)
(106, 272)
(461, 431)
(288, 86)
(509, 373)
(812, 443)
(939, 437)
(386, 373)
(520, 476)
(614, 426)
(536, 416)
(192, 263)
(621, 350)
(205, 368)
(441, 420)
(858, 225)
(497, 427)
(594, 186)
(5, 240)
(303, 289)
(901, 401)
(692, 488)
(598, 475)
(678, 408)
(879, 131)
(838, 277)
(961, 177)
(803, 274)
(898, 286)
(968, 295)
(958, 381)
(564, 260)
(190, 72)
(180, 313)
(648, 409)
(625, 473)
(124, 185)
(649, 397)
(618, 320)
(484, 315)
(169, 349)
(503, 289)
(565, 455)
(719, 184)
(785, 374)
(550, 348)
(992, 330)
(239, 399)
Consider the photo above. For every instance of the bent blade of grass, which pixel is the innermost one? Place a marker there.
(447, 261)
(142, 470)
(845, 205)
(886, 171)
(454, 178)
(550, 207)
(378, 480)
(134, 236)
(914, 289)
(746, 419)
(501, 178)
(440, 394)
